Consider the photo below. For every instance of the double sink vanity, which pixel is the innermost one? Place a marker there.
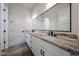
(42, 44)
(58, 18)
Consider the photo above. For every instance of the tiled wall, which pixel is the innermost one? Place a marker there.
(4, 26)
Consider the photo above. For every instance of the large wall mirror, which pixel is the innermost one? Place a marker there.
(57, 18)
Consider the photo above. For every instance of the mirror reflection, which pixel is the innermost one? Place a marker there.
(56, 18)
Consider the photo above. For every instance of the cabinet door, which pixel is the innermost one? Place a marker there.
(36, 49)
(52, 49)
(48, 48)
(28, 39)
(46, 53)
(40, 46)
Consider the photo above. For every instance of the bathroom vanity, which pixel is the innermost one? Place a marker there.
(43, 45)
(55, 19)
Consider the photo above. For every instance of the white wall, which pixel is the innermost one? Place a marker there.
(22, 21)
(75, 18)
(78, 20)
(0, 25)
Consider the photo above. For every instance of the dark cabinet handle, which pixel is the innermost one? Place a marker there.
(4, 31)
(23, 31)
(43, 53)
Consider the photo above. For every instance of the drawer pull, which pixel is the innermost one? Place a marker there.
(41, 52)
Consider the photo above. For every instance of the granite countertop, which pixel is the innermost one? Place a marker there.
(66, 43)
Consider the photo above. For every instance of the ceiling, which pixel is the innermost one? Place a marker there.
(27, 5)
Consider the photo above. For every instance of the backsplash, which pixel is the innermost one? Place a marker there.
(70, 35)
(67, 35)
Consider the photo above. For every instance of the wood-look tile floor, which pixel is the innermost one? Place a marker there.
(18, 50)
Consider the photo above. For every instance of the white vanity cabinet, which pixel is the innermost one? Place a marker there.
(53, 49)
(36, 48)
(40, 47)
(43, 48)
(28, 39)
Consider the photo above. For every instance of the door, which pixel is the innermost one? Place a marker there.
(17, 27)
(35, 47)
(28, 39)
